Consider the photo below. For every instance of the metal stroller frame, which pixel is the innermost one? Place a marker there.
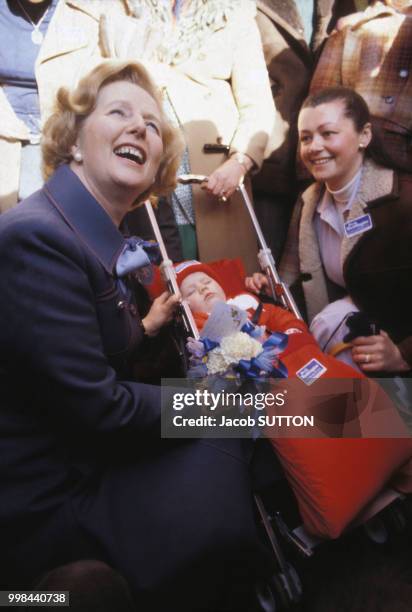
(287, 586)
(286, 579)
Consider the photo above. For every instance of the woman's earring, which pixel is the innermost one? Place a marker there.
(78, 156)
(362, 146)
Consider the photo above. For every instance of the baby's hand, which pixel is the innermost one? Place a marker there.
(257, 283)
(161, 312)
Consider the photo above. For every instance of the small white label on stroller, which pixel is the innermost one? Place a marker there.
(358, 226)
(311, 371)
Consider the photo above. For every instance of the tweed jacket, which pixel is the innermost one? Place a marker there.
(290, 62)
(213, 72)
(73, 45)
(377, 264)
(374, 57)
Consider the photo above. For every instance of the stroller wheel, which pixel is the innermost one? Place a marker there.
(287, 588)
(388, 523)
(265, 599)
(376, 531)
(394, 519)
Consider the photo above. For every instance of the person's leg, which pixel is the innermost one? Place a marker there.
(179, 524)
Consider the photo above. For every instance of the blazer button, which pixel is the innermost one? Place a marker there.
(122, 305)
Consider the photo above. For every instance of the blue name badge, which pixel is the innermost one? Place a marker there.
(311, 371)
(358, 226)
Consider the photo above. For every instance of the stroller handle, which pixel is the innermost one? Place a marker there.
(187, 179)
(280, 291)
(169, 275)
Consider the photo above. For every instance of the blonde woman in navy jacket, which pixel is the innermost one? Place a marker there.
(84, 473)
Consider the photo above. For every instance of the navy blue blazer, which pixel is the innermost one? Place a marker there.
(83, 471)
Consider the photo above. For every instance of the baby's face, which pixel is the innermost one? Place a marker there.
(201, 292)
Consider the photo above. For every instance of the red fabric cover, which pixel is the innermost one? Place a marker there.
(333, 479)
(200, 319)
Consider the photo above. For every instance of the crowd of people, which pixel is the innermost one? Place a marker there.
(103, 104)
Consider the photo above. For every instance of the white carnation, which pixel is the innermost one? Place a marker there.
(216, 363)
(240, 346)
(232, 349)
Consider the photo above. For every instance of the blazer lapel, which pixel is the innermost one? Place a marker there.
(376, 182)
(85, 215)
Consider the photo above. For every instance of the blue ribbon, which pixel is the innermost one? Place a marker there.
(253, 330)
(209, 344)
(267, 360)
(137, 256)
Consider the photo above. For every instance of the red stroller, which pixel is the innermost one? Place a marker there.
(335, 483)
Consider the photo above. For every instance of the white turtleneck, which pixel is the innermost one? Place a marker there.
(331, 215)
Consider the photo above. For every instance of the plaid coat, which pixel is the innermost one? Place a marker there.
(374, 56)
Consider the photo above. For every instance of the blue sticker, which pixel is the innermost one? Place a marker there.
(358, 226)
(311, 371)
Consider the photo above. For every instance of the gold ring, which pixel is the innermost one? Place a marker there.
(223, 199)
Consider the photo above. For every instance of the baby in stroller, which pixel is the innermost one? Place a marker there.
(320, 471)
(201, 287)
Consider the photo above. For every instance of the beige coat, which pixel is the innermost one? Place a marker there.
(302, 258)
(377, 264)
(72, 46)
(220, 93)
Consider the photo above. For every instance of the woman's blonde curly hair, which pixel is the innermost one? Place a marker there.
(72, 107)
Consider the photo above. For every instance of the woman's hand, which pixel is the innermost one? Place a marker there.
(224, 181)
(161, 312)
(257, 283)
(378, 353)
